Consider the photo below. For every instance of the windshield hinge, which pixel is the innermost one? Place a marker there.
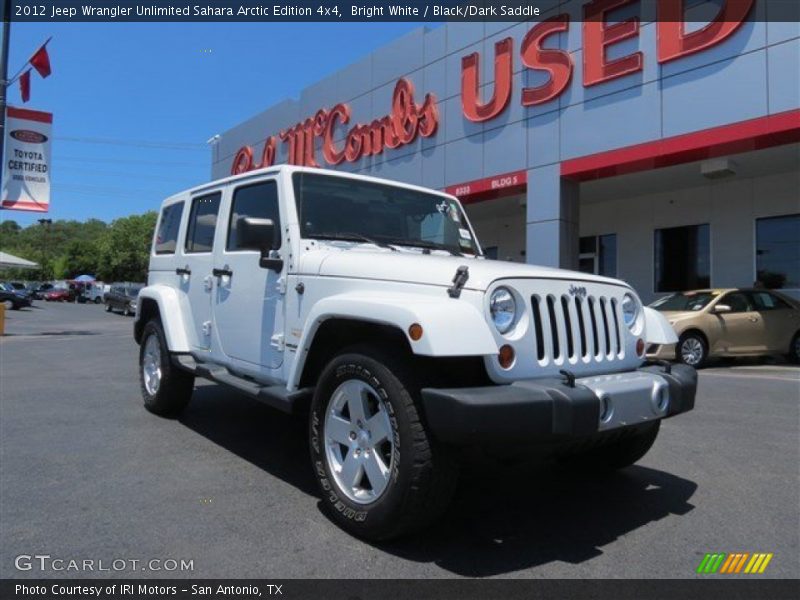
(459, 279)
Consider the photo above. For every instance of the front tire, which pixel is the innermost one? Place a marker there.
(794, 349)
(108, 307)
(380, 472)
(8, 305)
(97, 300)
(166, 390)
(692, 350)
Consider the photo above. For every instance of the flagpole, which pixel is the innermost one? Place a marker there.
(6, 8)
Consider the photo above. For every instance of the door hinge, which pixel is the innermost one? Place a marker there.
(276, 341)
(281, 285)
(206, 327)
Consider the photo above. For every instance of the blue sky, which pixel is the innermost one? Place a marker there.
(140, 84)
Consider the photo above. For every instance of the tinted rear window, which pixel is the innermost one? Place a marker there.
(168, 225)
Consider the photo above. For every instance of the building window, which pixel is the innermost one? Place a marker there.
(778, 252)
(682, 258)
(598, 255)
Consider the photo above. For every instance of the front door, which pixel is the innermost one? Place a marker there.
(194, 277)
(742, 328)
(248, 301)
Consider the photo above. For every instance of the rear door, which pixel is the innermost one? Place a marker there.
(248, 301)
(781, 321)
(196, 281)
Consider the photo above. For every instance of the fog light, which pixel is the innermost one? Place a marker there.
(506, 356)
(640, 347)
(606, 409)
(415, 331)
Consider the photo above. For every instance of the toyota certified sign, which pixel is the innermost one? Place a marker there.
(26, 161)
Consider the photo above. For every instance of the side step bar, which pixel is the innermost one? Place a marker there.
(276, 396)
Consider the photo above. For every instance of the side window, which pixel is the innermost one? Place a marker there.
(737, 301)
(766, 301)
(167, 234)
(202, 223)
(260, 201)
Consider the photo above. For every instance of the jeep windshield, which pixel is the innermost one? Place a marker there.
(338, 208)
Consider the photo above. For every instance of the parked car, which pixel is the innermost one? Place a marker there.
(92, 292)
(21, 289)
(59, 295)
(41, 289)
(11, 299)
(123, 298)
(368, 305)
(729, 322)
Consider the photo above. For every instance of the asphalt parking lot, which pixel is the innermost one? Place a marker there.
(87, 473)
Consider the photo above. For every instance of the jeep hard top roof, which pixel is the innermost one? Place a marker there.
(285, 168)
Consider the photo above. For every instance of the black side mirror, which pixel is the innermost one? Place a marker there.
(259, 234)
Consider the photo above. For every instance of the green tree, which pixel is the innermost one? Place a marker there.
(124, 248)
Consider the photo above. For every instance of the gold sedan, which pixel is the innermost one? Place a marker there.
(729, 322)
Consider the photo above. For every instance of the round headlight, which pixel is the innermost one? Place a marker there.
(503, 308)
(630, 310)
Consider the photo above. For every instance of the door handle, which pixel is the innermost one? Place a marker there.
(222, 272)
(183, 271)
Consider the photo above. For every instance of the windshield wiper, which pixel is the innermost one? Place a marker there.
(354, 237)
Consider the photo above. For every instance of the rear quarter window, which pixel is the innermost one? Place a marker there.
(168, 225)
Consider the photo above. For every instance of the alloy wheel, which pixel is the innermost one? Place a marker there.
(692, 351)
(151, 365)
(359, 445)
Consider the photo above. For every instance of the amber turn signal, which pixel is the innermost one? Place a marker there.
(640, 347)
(415, 331)
(506, 356)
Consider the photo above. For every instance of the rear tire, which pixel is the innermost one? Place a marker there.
(380, 472)
(166, 389)
(98, 300)
(692, 350)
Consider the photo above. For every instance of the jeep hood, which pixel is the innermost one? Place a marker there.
(427, 269)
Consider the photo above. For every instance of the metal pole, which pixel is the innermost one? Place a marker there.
(6, 10)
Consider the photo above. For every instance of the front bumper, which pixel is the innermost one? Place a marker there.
(546, 410)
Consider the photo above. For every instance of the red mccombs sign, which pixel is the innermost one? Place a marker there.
(408, 119)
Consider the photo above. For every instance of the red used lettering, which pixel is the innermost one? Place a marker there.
(597, 36)
(474, 109)
(674, 42)
(557, 63)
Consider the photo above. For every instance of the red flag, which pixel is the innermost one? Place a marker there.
(41, 61)
(25, 85)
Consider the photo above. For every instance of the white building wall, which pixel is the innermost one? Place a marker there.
(729, 207)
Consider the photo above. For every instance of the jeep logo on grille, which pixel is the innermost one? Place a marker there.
(578, 291)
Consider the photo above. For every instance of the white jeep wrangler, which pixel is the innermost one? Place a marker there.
(369, 306)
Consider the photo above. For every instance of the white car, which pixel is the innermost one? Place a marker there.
(368, 306)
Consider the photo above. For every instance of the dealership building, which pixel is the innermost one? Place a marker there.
(665, 153)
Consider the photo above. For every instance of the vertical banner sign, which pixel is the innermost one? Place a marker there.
(26, 168)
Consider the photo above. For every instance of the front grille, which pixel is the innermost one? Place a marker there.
(571, 329)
